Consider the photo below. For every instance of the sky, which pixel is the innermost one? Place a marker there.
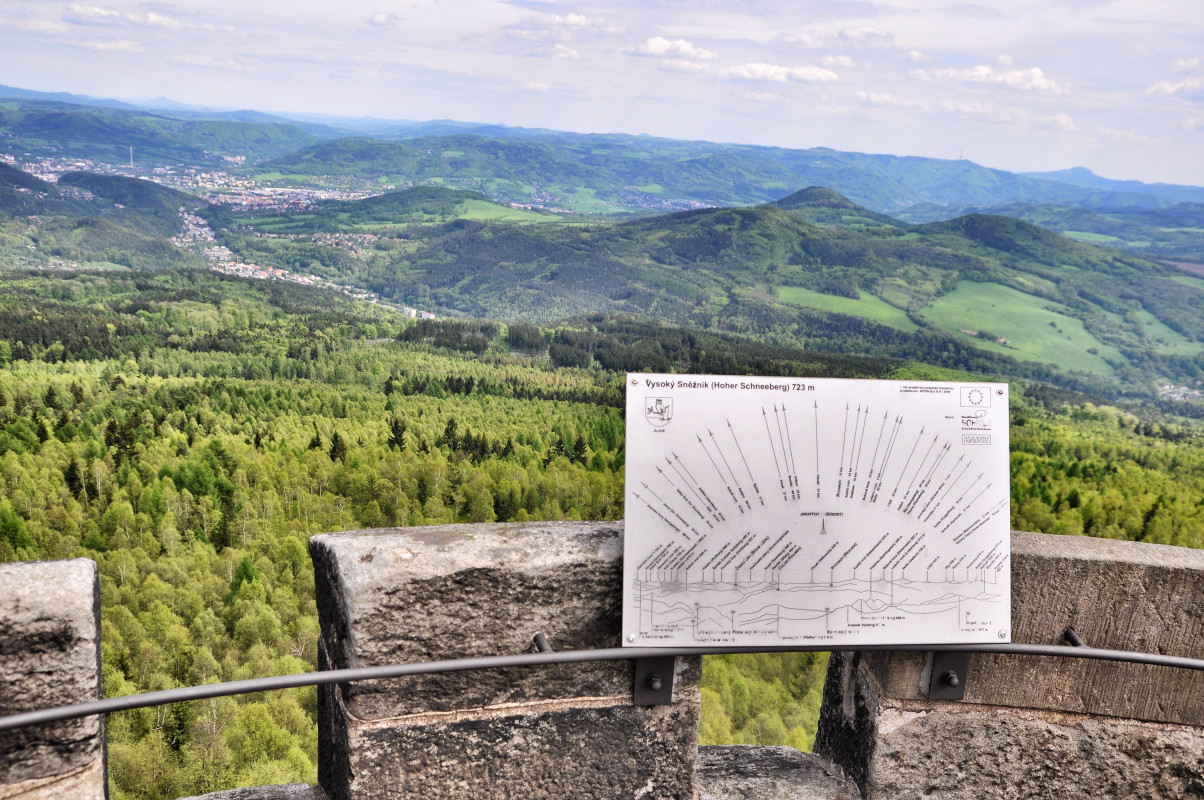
(1024, 85)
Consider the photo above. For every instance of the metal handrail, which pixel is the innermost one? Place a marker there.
(163, 697)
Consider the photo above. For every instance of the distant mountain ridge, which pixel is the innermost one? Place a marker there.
(612, 172)
(594, 173)
(1081, 176)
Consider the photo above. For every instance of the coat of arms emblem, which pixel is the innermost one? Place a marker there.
(658, 410)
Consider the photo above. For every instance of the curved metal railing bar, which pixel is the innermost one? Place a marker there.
(128, 702)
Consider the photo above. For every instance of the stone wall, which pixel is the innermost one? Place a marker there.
(1028, 727)
(1040, 727)
(50, 656)
(422, 594)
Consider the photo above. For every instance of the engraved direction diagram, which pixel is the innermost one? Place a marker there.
(763, 511)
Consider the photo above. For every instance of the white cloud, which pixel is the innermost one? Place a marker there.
(384, 19)
(679, 48)
(1058, 122)
(556, 27)
(773, 73)
(159, 20)
(866, 34)
(1193, 124)
(115, 47)
(1011, 115)
(803, 39)
(836, 61)
(762, 97)
(572, 21)
(1029, 80)
(81, 14)
(564, 51)
(92, 15)
(33, 25)
(1119, 136)
(681, 65)
(534, 87)
(973, 109)
(888, 99)
(918, 57)
(1169, 88)
(209, 62)
(1186, 64)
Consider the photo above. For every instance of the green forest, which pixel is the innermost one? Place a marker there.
(190, 431)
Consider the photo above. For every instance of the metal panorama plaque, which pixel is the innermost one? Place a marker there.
(777, 511)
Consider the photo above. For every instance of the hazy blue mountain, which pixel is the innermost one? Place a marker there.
(613, 172)
(104, 134)
(596, 173)
(1081, 176)
(62, 97)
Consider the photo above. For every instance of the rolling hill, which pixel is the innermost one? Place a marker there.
(102, 134)
(90, 220)
(981, 292)
(1174, 233)
(616, 173)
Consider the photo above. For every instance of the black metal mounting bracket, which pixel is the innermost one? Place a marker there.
(950, 673)
(654, 681)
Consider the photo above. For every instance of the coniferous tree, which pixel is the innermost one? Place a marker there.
(397, 434)
(338, 447)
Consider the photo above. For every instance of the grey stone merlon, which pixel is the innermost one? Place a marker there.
(1034, 726)
(50, 656)
(422, 594)
(743, 772)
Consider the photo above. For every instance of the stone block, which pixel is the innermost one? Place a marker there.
(1045, 727)
(743, 772)
(50, 656)
(422, 594)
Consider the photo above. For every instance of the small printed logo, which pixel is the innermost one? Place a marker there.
(976, 438)
(976, 419)
(658, 410)
(975, 397)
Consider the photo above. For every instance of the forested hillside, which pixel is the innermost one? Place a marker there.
(618, 173)
(982, 293)
(90, 220)
(1173, 233)
(106, 134)
(189, 432)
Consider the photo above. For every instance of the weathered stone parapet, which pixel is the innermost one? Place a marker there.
(1034, 726)
(742, 772)
(423, 594)
(50, 656)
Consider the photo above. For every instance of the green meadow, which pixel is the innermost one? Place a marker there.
(867, 306)
(1034, 329)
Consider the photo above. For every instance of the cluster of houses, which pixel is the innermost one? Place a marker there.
(196, 234)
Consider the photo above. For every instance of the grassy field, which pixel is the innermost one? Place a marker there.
(1093, 238)
(492, 212)
(1034, 328)
(481, 210)
(869, 306)
(1166, 341)
(1189, 280)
